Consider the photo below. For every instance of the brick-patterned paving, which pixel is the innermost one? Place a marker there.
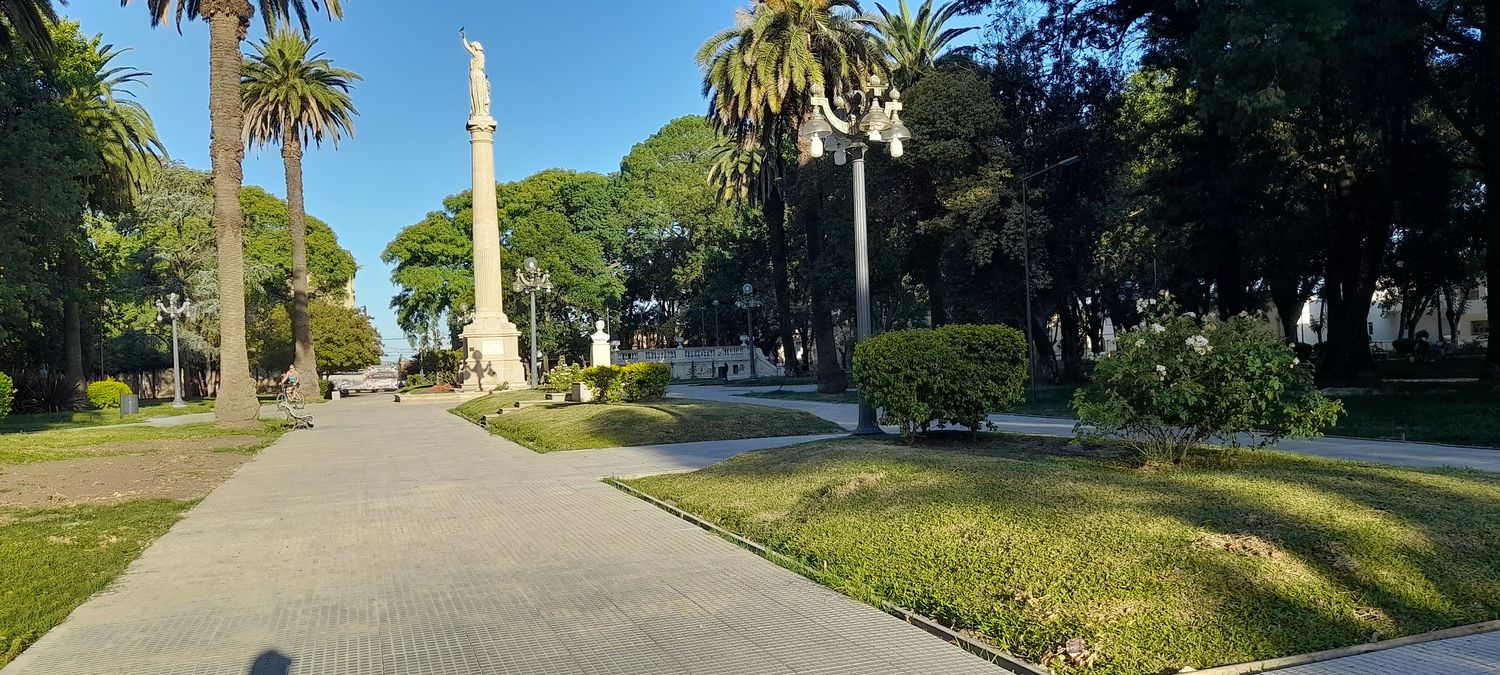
(1470, 655)
(396, 538)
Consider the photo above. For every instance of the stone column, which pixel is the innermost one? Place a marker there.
(599, 346)
(492, 358)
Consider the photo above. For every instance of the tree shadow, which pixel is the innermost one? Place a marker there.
(270, 662)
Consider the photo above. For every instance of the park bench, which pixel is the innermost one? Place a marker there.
(298, 420)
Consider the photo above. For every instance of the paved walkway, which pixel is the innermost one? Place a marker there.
(1359, 449)
(395, 538)
(1470, 655)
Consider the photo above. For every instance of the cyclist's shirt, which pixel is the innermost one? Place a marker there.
(291, 379)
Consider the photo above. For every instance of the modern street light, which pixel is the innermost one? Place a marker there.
(748, 302)
(171, 311)
(1031, 346)
(530, 279)
(847, 125)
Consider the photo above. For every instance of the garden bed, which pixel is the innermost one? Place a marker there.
(1029, 542)
(584, 426)
(90, 418)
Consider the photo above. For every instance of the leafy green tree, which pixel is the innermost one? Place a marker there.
(759, 76)
(345, 340)
(913, 42)
(25, 23)
(294, 97)
(228, 21)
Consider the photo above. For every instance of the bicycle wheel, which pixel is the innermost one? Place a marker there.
(296, 399)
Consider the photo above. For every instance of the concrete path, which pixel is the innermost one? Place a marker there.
(396, 538)
(1470, 655)
(1358, 449)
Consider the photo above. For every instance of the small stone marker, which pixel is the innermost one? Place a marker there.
(581, 393)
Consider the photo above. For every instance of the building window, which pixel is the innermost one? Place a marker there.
(1479, 327)
(1370, 328)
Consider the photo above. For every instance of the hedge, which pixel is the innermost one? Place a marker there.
(7, 394)
(106, 393)
(644, 381)
(953, 375)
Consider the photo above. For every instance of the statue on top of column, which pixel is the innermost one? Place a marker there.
(479, 83)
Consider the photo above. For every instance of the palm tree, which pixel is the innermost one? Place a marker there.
(912, 44)
(129, 151)
(293, 97)
(30, 20)
(758, 76)
(228, 21)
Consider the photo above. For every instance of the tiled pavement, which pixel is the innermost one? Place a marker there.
(1470, 655)
(394, 538)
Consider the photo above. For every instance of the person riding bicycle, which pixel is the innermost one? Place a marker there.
(289, 381)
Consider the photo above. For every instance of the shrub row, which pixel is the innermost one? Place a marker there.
(634, 382)
(953, 375)
(7, 394)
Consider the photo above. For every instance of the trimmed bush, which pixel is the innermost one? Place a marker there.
(561, 378)
(604, 381)
(1180, 382)
(105, 394)
(1403, 346)
(644, 381)
(325, 389)
(953, 375)
(7, 394)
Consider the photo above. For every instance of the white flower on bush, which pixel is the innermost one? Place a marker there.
(1161, 372)
(1199, 344)
(1140, 305)
(1295, 361)
(1140, 342)
(1157, 328)
(1190, 315)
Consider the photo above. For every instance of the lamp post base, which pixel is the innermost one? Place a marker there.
(867, 424)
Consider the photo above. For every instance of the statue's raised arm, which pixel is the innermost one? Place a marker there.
(479, 83)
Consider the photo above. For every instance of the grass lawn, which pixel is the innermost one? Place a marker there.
(1030, 542)
(1462, 365)
(103, 442)
(92, 418)
(584, 426)
(51, 560)
(1051, 400)
(475, 408)
(1463, 413)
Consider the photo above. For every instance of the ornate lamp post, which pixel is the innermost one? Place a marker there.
(171, 311)
(748, 301)
(1026, 263)
(847, 125)
(530, 279)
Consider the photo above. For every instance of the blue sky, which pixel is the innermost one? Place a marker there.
(576, 84)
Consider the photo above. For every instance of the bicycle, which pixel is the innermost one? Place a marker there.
(290, 396)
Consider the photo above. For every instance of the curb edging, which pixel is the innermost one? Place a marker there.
(1005, 661)
(1251, 667)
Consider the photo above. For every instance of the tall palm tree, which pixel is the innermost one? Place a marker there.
(129, 150)
(912, 43)
(30, 20)
(293, 96)
(758, 76)
(228, 21)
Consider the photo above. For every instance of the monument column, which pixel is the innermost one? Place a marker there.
(491, 342)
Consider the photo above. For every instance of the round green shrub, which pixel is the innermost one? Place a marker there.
(644, 381)
(953, 375)
(1179, 382)
(325, 388)
(561, 378)
(105, 394)
(604, 381)
(7, 394)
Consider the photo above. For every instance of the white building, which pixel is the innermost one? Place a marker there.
(1384, 324)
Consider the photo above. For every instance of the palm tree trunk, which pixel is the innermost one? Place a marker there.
(73, 326)
(305, 357)
(227, 21)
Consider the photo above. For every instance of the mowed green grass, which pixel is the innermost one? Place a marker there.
(1051, 400)
(1462, 413)
(1031, 542)
(549, 428)
(91, 418)
(105, 441)
(52, 560)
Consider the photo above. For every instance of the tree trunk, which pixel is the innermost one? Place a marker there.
(302, 339)
(227, 21)
(831, 376)
(775, 213)
(73, 326)
(1491, 216)
(1072, 323)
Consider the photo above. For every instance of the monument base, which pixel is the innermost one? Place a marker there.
(492, 358)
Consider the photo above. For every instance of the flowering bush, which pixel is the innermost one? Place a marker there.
(561, 378)
(1179, 382)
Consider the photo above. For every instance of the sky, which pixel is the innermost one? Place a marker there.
(574, 85)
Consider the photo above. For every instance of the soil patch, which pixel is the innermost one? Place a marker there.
(188, 471)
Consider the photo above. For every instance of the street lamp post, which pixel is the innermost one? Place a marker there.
(172, 311)
(1031, 346)
(748, 302)
(848, 125)
(530, 280)
(717, 339)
